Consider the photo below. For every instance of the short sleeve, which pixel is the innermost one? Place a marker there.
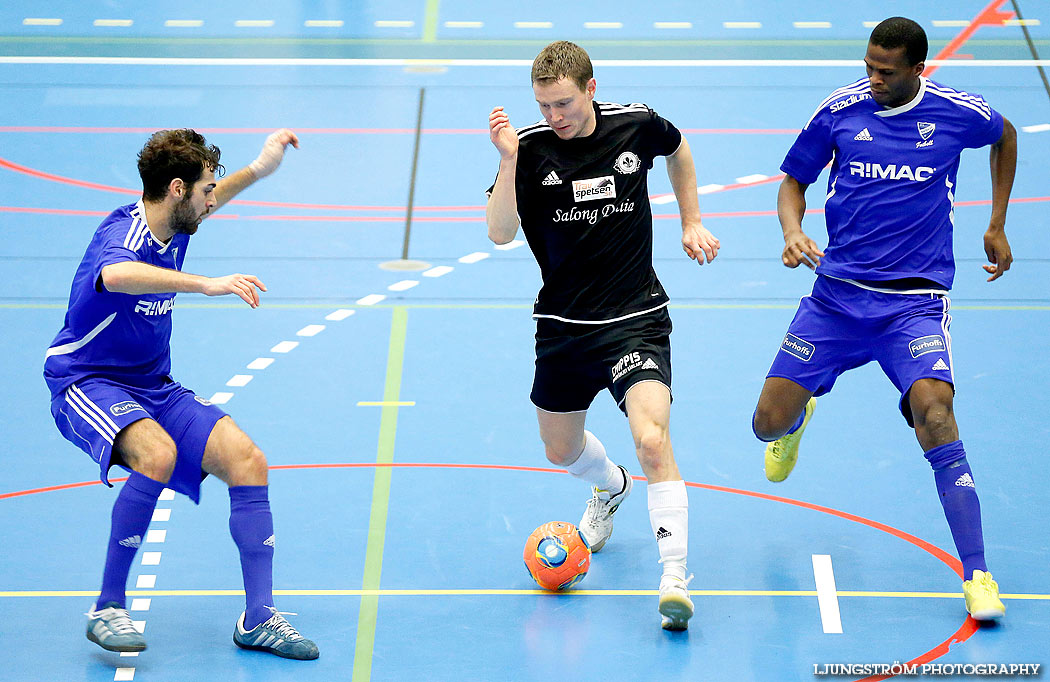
(812, 150)
(662, 137)
(111, 249)
(984, 131)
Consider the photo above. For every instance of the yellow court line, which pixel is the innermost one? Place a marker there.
(512, 593)
(387, 403)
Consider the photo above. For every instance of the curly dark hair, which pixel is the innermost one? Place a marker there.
(902, 32)
(171, 154)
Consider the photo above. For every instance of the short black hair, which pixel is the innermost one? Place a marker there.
(171, 154)
(902, 32)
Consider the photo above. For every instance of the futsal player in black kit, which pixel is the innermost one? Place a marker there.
(576, 183)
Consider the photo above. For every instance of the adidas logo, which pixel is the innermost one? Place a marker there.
(134, 542)
(965, 481)
(864, 136)
(649, 364)
(270, 541)
(551, 179)
(940, 364)
(662, 533)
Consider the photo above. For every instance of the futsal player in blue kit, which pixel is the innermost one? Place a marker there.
(112, 394)
(893, 140)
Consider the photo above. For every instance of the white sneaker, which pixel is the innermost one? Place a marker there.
(676, 607)
(596, 526)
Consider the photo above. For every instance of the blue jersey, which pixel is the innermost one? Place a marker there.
(123, 337)
(891, 192)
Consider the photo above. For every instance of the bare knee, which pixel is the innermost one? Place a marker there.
(248, 467)
(934, 419)
(562, 453)
(771, 420)
(146, 449)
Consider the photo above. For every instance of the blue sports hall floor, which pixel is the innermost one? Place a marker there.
(393, 405)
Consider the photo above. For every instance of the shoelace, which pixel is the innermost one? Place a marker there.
(281, 627)
(685, 583)
(115, 619)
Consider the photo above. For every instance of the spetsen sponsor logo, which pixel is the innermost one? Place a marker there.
(594, 188)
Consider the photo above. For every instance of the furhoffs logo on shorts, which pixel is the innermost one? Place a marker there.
(926, 344)
(800, 348)
(124, 407)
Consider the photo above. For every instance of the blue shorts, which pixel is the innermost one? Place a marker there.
(841, 326)
(91, 412)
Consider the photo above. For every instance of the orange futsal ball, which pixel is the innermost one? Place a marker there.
(556, 556)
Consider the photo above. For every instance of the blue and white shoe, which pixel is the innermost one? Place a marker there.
(111, 628)
(276, 636)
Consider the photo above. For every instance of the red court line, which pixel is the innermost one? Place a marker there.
(968, 628)
(989, 16)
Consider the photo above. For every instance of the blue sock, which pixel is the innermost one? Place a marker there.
(251, 525)
(962, 509)
(132, 513)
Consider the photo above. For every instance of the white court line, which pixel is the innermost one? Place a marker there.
(156, 535)
(602, 24)
(151, 558)
(39, 21)
(323, 23)
(1021, 22)
(708, 189)
(338, 315)
(146, 582)
(124, 674)
(284, 347)
(220, 398)
(748, 179)
(184, 23)
(533, 24)
(672, 24)
(161, 515)
(112, 22)
(254, 23)
(140, 604)
(464, 24)
(403, 285)
(951, 23)
(238, 380)
(260, 363)
(812, 24)
(509, 245)
(438, 271)
(662, 199)
(385, 23)
(167, 495)
(371, 299)
(310, 330)
(400, 63)
(474, 257)
(827, 595)
(1041, 128)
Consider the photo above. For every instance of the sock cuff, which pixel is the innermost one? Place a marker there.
(145, 485)
(249, 495)
(593, 451)
(667, 494)
(944, 456)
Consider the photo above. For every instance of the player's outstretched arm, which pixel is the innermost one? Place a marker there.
(1003, 162)
(267, 162)
(791, 207)
(501, 211)
(697, 241)
(134, 277)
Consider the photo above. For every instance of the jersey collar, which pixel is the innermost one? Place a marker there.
(140, 211)
(910, 105)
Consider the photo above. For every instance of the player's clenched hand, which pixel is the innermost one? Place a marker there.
(245, 286)
(801, 250)
(273, 152)
(700, 244)
(999, 254)
(502, 134)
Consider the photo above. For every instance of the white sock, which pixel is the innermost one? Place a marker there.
(669, 517)
(595, 467)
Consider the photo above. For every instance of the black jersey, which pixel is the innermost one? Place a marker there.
(584, 208)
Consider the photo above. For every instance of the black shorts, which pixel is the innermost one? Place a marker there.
(575, 361)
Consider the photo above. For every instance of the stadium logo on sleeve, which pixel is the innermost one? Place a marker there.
(925, 132)
(800, 348)
(926, 344)
(627, 163)
(594, 188)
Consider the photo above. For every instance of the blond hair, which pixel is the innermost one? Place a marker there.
(562, 59)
